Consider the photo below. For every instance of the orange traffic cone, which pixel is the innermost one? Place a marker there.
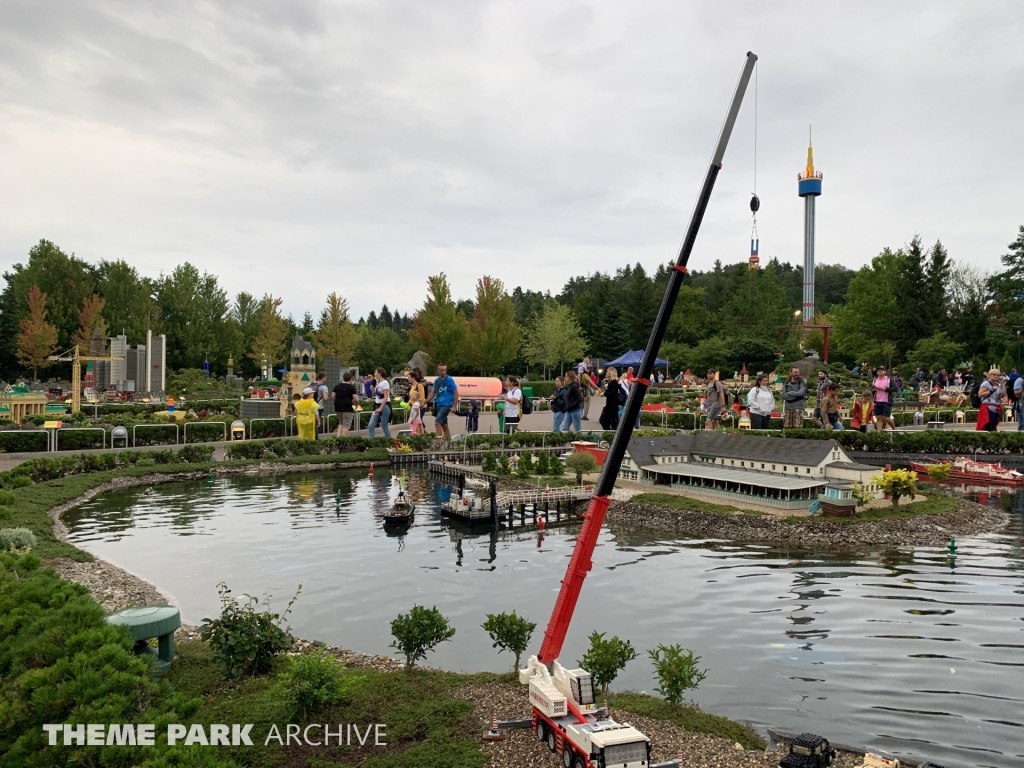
(494, 734)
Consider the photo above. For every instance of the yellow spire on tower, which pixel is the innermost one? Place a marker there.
(810, 156)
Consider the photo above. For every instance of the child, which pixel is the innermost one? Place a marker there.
(415, 422)
(472, 418)
(863, 410)
(830, 408)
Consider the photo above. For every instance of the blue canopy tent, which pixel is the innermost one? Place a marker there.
(632, 358)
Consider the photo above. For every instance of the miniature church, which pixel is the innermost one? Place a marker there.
(301, 374)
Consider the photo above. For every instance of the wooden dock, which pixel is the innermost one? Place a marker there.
(521, 507)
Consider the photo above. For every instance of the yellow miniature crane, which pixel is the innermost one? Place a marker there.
(76, 360)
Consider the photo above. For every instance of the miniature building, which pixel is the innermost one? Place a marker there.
(302, 373)
(837, 500)
(768, 472)
(236, 382)
(156, 363)
(135, 369)
(18, 403)
(118, 368)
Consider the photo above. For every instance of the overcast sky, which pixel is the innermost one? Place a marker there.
(303, 147)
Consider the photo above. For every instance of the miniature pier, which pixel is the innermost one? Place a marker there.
(521, 507)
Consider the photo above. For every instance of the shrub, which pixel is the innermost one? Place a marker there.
(525, 466)
(676, 670)
(940, 472)
(490, 464)
(17, 538)
(504, 468)
(245, 639)
(18, 481)
(509, 632)
(542, 465)
(861, 495)
(582, 463)
(147, 462)
(606, 658)
(312, 682)
(555, 467)
(897, 483)
(196, 454)
(6, 498)
(6, 513)
(419, 631)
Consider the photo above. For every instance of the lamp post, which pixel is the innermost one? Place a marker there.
(1018, 350)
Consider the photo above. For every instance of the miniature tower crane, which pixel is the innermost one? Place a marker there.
(76, 360)
(565, 714)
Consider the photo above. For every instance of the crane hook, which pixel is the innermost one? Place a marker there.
(755, 203)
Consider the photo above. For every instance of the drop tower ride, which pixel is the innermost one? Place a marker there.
(809, 187)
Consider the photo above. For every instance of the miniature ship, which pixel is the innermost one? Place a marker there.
(963, 468)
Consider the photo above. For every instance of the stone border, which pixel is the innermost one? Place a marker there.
(968, 519)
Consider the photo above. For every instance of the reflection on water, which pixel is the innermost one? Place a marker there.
(903, 649)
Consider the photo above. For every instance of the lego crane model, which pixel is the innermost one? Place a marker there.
(565, 714)
(72, 356)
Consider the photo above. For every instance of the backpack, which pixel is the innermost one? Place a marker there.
(525, 404)
(623, 396)
(976, 395)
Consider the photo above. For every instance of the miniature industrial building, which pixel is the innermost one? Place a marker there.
(771, 473)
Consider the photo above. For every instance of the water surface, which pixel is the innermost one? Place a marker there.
(904, 649)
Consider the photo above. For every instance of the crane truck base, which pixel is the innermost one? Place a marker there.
(566, 717)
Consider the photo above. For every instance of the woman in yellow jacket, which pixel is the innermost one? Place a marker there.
(307, 415)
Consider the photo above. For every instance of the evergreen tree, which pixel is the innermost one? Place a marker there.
(758, 308)
(640, 306)
(934, 305)
(912, 291)
(1007, 287)
(244, 319)
(38, 338)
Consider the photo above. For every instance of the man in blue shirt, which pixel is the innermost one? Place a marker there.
(1018, 401)
(445, 395)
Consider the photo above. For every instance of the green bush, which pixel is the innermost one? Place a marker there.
(246, 640)
(146, 462)
(580, 463)
(606, 658)
(419, 631)
(23, 441)
(18, 481)
(509, 632)
(676, 670)
(6, 498)
(524, 467)
(60, 662)
(490, 463)
(312, 682)
(555, 467)
(6, 513)
(543, 464)
(196, 454)
(17, 538)
(504, 468)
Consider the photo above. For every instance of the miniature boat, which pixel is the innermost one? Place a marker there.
(963, 468)
(400, 514)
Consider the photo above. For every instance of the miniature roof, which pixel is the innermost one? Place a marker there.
(853, 465)
(747, 477)
(299, 344)
(733, 446)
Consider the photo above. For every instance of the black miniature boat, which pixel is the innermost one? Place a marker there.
(401, 513)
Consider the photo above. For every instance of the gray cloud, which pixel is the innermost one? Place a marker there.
(306, 147)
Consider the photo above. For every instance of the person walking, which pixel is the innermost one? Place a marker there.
(417, 402)
(345, 396)
(573, 404)
(863, 411)
(716, 397)
(320, 395)
(586, 389)
(307, 415)
(823, 385)
(882, 387)
(382, 402)
(513, 397)
(830, 408)
(760, 404)
(557, 401)
(991, 393)
(445, 395)
(794, 400)
(609, 418)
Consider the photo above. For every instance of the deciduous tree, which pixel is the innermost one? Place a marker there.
(38, 338)
(554, 337)
(440, 327)
(90, 320)
(493, 336)
(335, 334)
(268, 346)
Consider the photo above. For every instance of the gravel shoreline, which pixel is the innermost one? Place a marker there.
(968, 519)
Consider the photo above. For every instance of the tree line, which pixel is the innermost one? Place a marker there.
(909, 305)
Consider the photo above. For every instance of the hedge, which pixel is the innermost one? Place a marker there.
(922, 441)
(51, 468)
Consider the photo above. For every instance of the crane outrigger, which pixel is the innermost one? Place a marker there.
(565, 713)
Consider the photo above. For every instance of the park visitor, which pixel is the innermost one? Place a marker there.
(320, 394)
(794, 400)
(991, 393)
(558, 405)
(344, 396)
(573, 404)
(445, 396)
(830, 408)
(382, 402)
(882, 387)
(417, 402)
(760, 403)
(716, 396)
(307, 415)
(512, 397)
(863, 411)
(609, 418)
(823, 384)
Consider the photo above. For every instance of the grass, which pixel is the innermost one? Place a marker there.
(932, 505)
(673, 501)
(687, 716)
(32, 503)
